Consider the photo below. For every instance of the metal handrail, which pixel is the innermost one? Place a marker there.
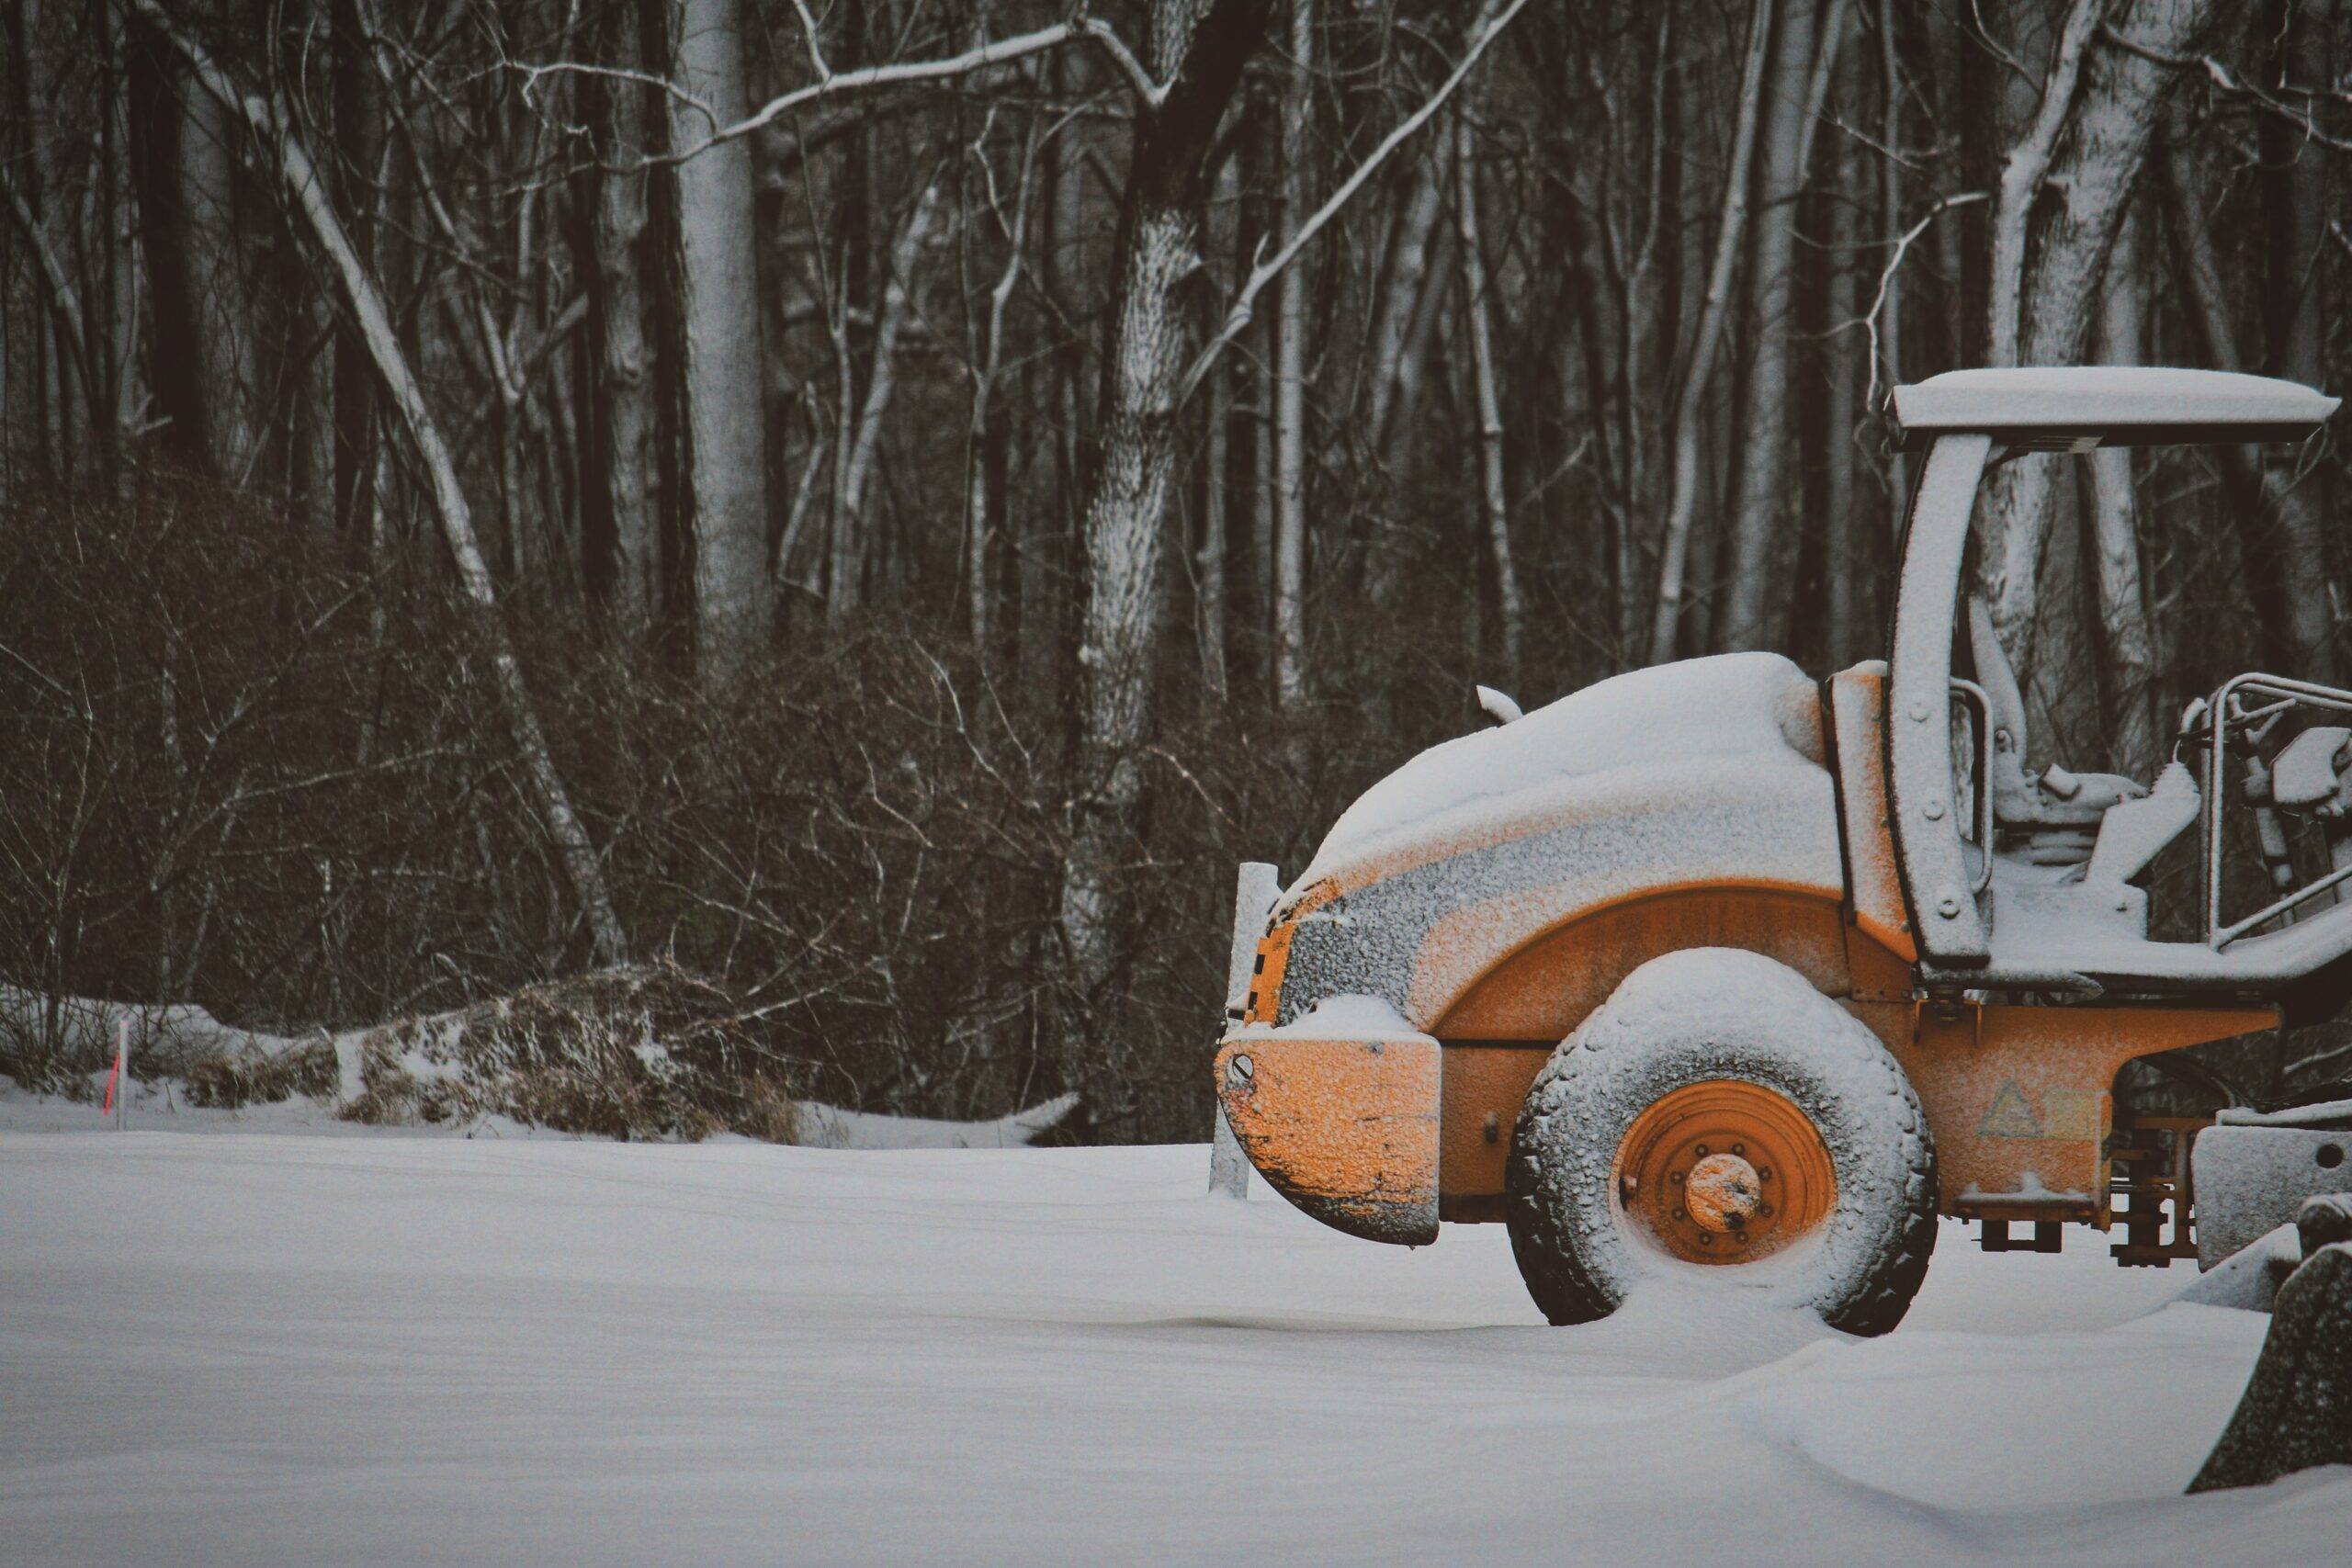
(2218, 716)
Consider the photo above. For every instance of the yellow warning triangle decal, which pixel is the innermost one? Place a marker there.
(2010, 1116)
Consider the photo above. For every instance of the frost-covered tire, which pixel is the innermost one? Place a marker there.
(1654, 1089)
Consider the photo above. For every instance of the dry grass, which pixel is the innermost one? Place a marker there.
(645, 1050)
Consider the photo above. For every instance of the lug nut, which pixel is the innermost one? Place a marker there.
(1676, 1178)
(1681, 1213)
(1739, 1149)
(1701, 1151)
(1763, 1173)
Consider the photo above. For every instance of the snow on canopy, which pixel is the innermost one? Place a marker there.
(2093, 397)
(1729, 707)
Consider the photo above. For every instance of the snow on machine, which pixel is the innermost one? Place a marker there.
(1714, 968)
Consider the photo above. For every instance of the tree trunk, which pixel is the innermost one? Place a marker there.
(1753, 590)
(2296, 175)
(719, 345)
(984, 461)
(1890, 218)
(2131, 661)
(1408, 266)
(622, 418)
(359, 140)
(187, 200)
(2062, 197)
(1496, 506)
(1849, 550)
(1290, 393)
(1199, 48)
(2252, 492)
(1210, 597)
(844, 594)
(1689, 414)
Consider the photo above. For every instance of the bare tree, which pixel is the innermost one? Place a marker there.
(720, 356)
(1689, 410)
(624, 414)
(1198, 47)
(2297, 192)
(1756, 524)
(267, 122)
(1476, 306)
(2064, 190)
(1290, 386)
(2131, 664)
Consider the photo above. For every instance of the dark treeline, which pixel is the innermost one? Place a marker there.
(885, 500)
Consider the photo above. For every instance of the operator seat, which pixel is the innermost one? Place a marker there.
(2052, 819)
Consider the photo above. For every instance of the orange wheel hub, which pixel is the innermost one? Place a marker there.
(1724, 1172)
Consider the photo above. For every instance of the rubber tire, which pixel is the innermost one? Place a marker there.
(1701, 1014)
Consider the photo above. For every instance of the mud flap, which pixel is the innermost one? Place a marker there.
(1345, 1129)
(2250, 1179)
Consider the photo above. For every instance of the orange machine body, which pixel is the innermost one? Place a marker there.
(1384, 1130)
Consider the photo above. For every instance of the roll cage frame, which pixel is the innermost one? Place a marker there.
(1968, 422)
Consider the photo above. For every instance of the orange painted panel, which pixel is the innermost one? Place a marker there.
(1542, 992)
(2019, 1100)
(1484, 1087)
(1345, 1129)
(1544, 989)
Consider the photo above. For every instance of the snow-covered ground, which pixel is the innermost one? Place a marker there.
(228, 1347)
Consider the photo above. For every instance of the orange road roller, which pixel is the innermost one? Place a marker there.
(1716, 970)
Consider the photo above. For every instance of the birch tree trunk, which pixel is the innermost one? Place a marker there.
(1890, 218)
(1209, 570)
(1290, 390)
(1495, 501)
(2128, 642)
(1198, 47)
(1408, 265)
(2063, 195)
(1397, 400)
(1851, 550)
(359, 139)
(984, 460)
(844, 592)
(1752, 589)
(1689, 414)
(720, 344)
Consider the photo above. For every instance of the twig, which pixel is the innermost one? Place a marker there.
(1265, 271)
(1869, 321)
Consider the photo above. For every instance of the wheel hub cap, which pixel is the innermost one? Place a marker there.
(1723, 1171)
(1723, 1193)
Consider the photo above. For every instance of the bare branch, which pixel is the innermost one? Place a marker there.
(991, 52)
(1869, 319)
(1245, 303)
(1151, 92)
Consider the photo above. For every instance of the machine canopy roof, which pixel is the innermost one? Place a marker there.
(2075, 409)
